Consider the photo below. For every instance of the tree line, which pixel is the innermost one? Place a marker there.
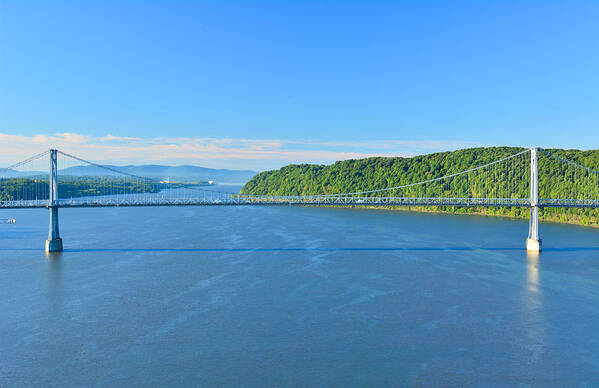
(37, 187)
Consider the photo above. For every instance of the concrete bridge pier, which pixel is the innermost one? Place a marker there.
(533, 242)
(54, 242)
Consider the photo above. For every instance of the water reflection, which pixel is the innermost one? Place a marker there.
(53, 261)
(533, 319)
(532, 271)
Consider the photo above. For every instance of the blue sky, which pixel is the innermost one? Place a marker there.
(259, 84)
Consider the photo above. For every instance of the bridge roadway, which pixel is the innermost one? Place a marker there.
(240, 200)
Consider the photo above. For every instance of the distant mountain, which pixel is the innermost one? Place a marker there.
(173, 172)
(184, 173)
(8, 173)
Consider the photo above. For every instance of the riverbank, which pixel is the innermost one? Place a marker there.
(545, 215)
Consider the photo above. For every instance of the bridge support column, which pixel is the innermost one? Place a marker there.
(533, 242)
(54, 242)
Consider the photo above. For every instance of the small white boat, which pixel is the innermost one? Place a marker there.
(7, 220)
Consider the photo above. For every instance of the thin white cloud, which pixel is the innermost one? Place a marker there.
(256, 154)
(73, 138)
(110, 137)
(391, 144)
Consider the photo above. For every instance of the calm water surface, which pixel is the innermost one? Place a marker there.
(287, 296)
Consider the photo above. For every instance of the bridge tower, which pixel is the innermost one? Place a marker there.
(54, 242)
(533, 242)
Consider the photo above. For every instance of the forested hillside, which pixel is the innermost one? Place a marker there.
(379, 173)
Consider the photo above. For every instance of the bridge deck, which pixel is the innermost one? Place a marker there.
(302, 201)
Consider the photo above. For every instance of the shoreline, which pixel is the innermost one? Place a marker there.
(542, 215)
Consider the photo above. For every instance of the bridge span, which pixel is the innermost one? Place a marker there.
(510, 181)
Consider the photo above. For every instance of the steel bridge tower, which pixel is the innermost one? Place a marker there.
(54, 242)
(533, 242)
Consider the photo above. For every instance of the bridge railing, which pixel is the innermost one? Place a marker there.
(575, 203)
(24, 204)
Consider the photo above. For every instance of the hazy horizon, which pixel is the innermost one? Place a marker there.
(216, 164)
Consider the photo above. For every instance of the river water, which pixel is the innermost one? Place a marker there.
(292, 296)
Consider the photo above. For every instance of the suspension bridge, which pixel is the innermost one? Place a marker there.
(54, 179)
